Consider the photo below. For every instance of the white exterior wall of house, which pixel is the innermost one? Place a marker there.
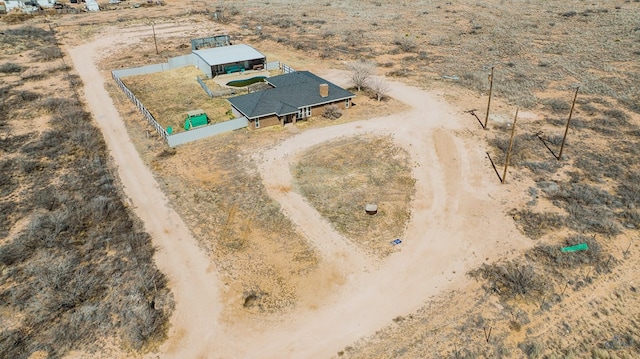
(203, 65)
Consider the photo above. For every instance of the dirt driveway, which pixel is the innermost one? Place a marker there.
(456, 223)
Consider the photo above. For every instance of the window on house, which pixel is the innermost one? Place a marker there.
(304, 112)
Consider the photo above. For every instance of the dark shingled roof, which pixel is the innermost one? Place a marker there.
(290, 93)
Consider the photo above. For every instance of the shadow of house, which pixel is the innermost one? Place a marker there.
(292, 97)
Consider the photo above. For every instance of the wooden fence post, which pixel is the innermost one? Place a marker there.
(566, 130)
(155, 42)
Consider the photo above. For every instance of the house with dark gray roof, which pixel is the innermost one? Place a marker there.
(292, 97)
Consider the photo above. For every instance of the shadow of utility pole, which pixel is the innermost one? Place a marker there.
(473, 112)
(494, 166)
(539, 135)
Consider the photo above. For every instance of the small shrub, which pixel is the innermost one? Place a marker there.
(403, 72)
(532, 349)
(590, 208)
(167, 152)
(332, 112)
(535, 224)
(555, 139)
(328, 34)
(282, 23)
(16, 17)
(57, 104)
(543, 167)
(405, 43)
(619, 115)
(554, 257)
(512, 279)
(48, 53)
(631, 103)
(10, 67)
(8, 181)
(589, 109)
(557, 105)
(28, 96)
(628, 189)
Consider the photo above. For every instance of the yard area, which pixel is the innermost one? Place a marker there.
(168, 95)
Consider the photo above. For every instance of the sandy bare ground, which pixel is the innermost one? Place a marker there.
(457, 221)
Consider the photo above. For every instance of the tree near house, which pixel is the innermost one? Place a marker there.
(361, 72)
(380, 88)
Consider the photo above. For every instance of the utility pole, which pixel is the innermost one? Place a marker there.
(566, 130)
(486, 118)
(155, 42)
(506, 162)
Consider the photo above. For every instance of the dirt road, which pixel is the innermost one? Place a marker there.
(456, 223)
(454, 226)
(195, 291)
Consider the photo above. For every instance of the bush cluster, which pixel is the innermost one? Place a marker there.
(81, 268)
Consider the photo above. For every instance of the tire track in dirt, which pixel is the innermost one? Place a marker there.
(196, 292)
(274, 167)
(450, 231)
(440, 244)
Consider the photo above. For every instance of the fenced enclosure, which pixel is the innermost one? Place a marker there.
(183, 137)
(194, 134)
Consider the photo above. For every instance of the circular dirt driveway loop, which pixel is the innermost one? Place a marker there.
(456, 222)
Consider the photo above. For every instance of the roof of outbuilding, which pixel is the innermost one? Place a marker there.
(228, 54)
(291, 92)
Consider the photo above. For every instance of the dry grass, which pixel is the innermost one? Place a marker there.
(538, 54)
(532, 50)
(168, 95)
(75, 266)
(340, 177)
(257, 250)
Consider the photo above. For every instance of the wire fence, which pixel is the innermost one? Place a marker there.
(286, 69)
(152, 121)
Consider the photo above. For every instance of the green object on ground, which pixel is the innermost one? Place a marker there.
(195, 118)
(169, 130)
(234, 68)
(577, 247)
